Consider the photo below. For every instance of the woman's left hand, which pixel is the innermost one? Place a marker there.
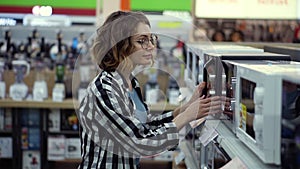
(197, 93)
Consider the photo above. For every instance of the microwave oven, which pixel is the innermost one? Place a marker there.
(220, 76)
(293, 51)
(230, 71)
(195, 59)
(268, 112)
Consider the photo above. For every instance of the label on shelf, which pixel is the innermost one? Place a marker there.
(208, 136)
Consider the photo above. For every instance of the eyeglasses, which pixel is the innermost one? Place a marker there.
(145, 41)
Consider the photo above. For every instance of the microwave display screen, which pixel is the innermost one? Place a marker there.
(290, 125)
(247, 107)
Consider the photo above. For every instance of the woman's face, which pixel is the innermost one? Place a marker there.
(143, 44)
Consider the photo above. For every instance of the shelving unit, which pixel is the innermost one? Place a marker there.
(44, 107)
(225, 141)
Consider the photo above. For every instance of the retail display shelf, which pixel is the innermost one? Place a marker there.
(70, 104)
(9, 131)
(66, 104)
(64, 132)
(235, 148)
(75, 160)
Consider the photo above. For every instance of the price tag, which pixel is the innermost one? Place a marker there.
(208, 136)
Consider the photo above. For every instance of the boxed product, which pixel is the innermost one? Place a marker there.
(30, 117)
(34, 138)
(54, 120)
(1, 119)
(8, 119)
(6, 147)
(73, 148)
(31, 160)
(69, 121)
(30, 138)
(56, 147)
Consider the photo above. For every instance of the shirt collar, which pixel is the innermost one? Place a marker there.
(121, 80)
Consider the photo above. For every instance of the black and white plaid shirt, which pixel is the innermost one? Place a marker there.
(111, 136)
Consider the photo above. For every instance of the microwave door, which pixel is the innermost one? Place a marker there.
(213, 78)
(209, 76)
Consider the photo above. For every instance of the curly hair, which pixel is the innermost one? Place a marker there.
(113, 41)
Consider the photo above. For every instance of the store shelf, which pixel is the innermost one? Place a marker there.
(66, 104)
(235, 148)
(62, 132)
(76, 160)
(6, 131)
(69, 104)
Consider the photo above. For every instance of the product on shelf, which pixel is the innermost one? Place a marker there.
(19, 90)
(54, 120)
(7, 48)
(8, 119)
(30, 131)
(2, 82)
(6, 147)
(56, 147)
(152, 88)
(31, 160)
(173, 91)
(40, 89)
(69, 121)
(72, 150)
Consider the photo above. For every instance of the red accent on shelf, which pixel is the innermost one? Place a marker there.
(125, 5)
(65, 11)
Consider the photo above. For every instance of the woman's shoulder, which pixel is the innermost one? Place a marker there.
(106, 80)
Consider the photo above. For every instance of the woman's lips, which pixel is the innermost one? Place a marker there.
(148, 56)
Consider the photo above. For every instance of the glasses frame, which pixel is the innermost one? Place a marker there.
(145, 41)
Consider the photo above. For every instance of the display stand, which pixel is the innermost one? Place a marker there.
(44, 108)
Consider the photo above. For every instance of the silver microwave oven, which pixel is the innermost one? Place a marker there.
(195, 59)
(268, 112)
(230, 72)
(220, 76)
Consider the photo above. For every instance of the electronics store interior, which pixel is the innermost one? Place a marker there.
(245, 51)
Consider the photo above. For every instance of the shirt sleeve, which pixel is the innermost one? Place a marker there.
(108, 115)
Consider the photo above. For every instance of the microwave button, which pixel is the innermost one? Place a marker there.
(232, 105)
(212, 78)
(200, 78)
(259, 95)
(258, 123)
(212, 92)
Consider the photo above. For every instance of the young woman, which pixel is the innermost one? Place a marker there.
(116, 127)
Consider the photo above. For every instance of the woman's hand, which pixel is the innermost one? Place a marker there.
(196, 95)
(200, 108)
(205, 106)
